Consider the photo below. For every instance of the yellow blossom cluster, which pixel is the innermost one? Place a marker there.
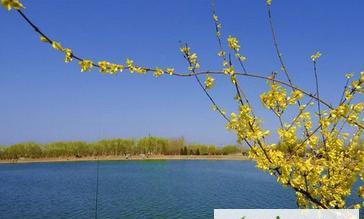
(315, 56)
(245, 125)
(134, 68)
(305, 119)
(276, 98)
(111, 68)
(229, 70)
(158, 72)
(240, 57)
(209, 82)
(105, 66)
(233, 43)
(287, 136)
(323, 173)
(68, 56)
(349, 75)
(86, 65)
(10, 4)
(218, 25)
(356, 87)
(322, 177)
(170, 71)
(295, 96)
(191, 58)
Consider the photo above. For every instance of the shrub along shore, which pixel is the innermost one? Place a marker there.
(118, 149)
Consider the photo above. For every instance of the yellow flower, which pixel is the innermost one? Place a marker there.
(233, 43)
(68, 55)
(269, 2)
(308, 124)
(86, 65)
(348, 94)
(57, 46)
(103, 66)
(129, 62)
(233, 80)
(357, 206)
(345, 135)
(312, 140)
(113, 68)
(215, 17)
(229, 70)
(340, 111)
(10, 4)
(349, 75)
(356, 85)
(209, 82)
(276, 98)
(193, 58)
(240, 57)
(315, 56)
(158, 72)
(185, 50)
(295, 96)
(43, 39)
(130, 65)
(170, 71)
(287, 136)
(361, 191)
(140, 70)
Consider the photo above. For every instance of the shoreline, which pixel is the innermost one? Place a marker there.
(124, 158)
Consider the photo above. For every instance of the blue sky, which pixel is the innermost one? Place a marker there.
(43, 99)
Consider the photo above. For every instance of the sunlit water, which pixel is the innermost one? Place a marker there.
(136, 189)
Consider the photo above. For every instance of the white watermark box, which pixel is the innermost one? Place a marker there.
(286, 214)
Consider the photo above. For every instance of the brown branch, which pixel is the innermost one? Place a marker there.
(36, 29)
(279, 54)
(308, 195)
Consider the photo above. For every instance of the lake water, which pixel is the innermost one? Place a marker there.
(136, 189)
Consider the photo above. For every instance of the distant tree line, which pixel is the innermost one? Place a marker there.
(115, 147)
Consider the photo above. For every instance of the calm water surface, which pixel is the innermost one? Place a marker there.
(136, 189)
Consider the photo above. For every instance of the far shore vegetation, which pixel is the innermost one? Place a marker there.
(147, 146)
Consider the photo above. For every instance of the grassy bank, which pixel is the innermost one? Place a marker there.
(135, 157)
(145, 148)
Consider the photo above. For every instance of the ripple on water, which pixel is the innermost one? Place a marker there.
(136, 189)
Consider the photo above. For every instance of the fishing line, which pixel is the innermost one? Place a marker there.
(97, 186)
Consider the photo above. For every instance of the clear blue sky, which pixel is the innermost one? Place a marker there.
(43, 99)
